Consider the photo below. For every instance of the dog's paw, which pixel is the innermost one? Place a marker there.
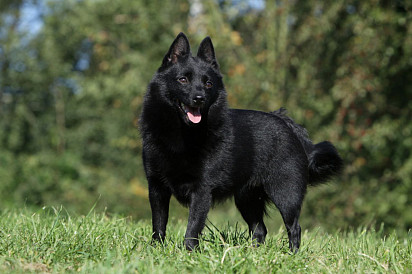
(191, 244)
(157, 238)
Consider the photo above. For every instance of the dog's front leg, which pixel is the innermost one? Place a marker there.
(159, 197)
(199, 207)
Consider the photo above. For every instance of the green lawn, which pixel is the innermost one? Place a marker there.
(51, 240)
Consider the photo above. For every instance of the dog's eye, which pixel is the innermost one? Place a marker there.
(183, 80)
(208, 84)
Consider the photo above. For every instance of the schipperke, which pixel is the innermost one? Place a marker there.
(201, 151)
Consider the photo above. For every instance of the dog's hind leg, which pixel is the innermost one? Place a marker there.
(252, 208)
(291, 219)
(288, 198)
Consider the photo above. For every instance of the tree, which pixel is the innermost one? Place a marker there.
(70, 95)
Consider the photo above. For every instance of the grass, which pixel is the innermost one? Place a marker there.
(50, 240)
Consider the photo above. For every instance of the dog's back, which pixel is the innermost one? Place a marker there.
(324, 160)
(268, 144)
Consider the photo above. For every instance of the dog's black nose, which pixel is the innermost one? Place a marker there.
(199, 99)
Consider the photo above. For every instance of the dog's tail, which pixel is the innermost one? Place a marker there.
(324, 163)
(324, 160)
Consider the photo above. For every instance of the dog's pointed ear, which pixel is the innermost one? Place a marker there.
(206, 52)
(179, 47)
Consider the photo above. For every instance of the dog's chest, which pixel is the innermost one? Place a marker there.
(182, 170)
(183, 174)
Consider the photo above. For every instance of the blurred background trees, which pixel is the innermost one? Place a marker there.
(71, 90)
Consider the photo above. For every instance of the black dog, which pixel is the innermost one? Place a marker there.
(199, 150)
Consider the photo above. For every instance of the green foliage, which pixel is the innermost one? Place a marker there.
(70, 95)
(51, 240)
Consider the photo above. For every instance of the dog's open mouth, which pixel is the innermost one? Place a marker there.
(192, 113)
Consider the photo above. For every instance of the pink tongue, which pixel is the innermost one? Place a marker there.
(194, 115)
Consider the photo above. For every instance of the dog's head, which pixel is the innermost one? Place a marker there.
(191, 84)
